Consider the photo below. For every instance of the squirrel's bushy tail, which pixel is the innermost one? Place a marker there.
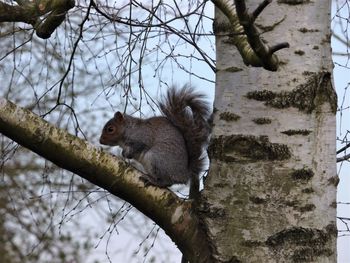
(190, 113)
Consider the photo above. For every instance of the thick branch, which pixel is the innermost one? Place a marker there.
(246, 36)
(11, 13)
(30, 12)
(174, 215)
(237, 33)
(268, 59)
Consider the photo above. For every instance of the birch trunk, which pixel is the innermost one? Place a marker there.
(270, 195)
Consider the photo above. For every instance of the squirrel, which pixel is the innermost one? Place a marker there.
(169, 147)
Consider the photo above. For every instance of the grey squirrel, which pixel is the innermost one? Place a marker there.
(169, 147)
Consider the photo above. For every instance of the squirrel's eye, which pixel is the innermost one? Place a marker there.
(110, 129)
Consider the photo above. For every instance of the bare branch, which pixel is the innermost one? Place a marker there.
(15, 13)
(247, 37)
(343, 148)
(30, 12)
(279, 46)
(260, 8)
(268, 59)
(344, 158)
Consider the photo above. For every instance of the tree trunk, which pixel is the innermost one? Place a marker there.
(270, 195)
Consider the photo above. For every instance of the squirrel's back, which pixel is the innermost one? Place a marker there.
(165, 153)
(190, 113)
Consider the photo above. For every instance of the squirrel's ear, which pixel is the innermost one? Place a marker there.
(118, 116)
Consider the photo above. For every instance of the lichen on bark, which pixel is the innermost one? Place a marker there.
(297, 132)
(307, 97)
(229, 116)
(293, 2)
(262, 121)
(302, 174)
(308, 243)
(246, 147)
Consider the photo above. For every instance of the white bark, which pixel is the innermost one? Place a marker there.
(273, 174)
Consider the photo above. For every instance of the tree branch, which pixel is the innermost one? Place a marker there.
(176, 216)
(15, 13)
(343, 148)
(246, 35)
(30, 12)
(343, 158)
(268, 59)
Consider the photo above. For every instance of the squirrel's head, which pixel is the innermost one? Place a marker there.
(113, 130)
